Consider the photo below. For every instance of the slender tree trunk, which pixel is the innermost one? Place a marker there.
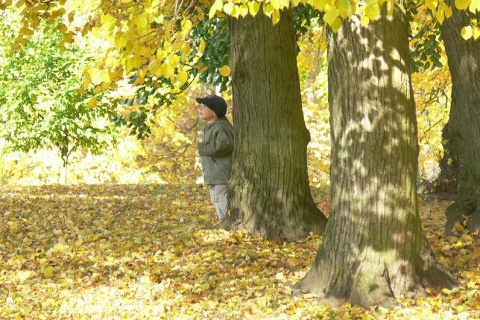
(269, 189)
(374, 248)
(447, 180)
(63, 175)
(462, 132)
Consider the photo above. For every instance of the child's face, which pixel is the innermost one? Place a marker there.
(207, 114)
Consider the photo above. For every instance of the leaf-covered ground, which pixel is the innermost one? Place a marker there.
(153, 252)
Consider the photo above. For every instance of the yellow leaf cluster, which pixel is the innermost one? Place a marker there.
(443, 11)
(234, 8)
(471, 31)
(432, 97)
(335, 11)
(148, 43)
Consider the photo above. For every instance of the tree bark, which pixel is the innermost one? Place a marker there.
(269, 190)
(447, 180)
(374, 248)
(462, 133)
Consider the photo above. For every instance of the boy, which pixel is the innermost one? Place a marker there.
(216, 150)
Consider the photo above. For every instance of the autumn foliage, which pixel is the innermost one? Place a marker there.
(153, 251)
(143, 251)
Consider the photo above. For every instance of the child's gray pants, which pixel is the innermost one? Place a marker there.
(218, 195)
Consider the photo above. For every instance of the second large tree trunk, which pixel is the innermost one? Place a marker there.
(374, 248)
(462, 132)
(269, 189)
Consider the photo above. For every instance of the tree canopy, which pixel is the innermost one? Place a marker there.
(161, 46)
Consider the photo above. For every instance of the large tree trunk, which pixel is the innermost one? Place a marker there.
(269, 189)
(374, 248)
(462, 133)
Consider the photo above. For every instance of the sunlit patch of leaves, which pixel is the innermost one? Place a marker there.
(151, 251)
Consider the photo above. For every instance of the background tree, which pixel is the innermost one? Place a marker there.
(44, 102)
(374, 248)
(462, 133)
(269, 190)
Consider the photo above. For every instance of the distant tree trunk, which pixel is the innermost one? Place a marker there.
(462, 132)
(269, 189)
(63, 175)
(447, 180)
(374, 248)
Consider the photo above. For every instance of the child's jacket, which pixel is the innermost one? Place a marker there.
(216, 151)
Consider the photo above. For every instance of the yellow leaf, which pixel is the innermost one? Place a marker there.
(120, 40)
(336, 24)
(279, 4)
(177, 46)
(167, 70)
(432, 4)
(174, 60)
(106, 76)
(347, 10)
(372, 11)
(228, 8)
(78, 243)
(48, 272)
(330, 16)
(200, 67)
(225, 71)
(26, 31)
(319, 5)
(186, 49)
(440, 15)
(462, 4)
(96, 76)
(275, 16)
(217, 6)
(243, 10)
(92, 103)
(182, 77)
(280, 276)
(448, 11)
(474, 6)
(62, 28)
(186, 27)
(364, 21)
(144, 51)
(48, 304)
(268, 10)
(467, 32)
(168, 33)
(202, 46)
(154, 67)
(141, 20)
(200, 288)
(476, 32)
(253, 8)
(24, 275)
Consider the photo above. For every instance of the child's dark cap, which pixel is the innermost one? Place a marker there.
(216, 103)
